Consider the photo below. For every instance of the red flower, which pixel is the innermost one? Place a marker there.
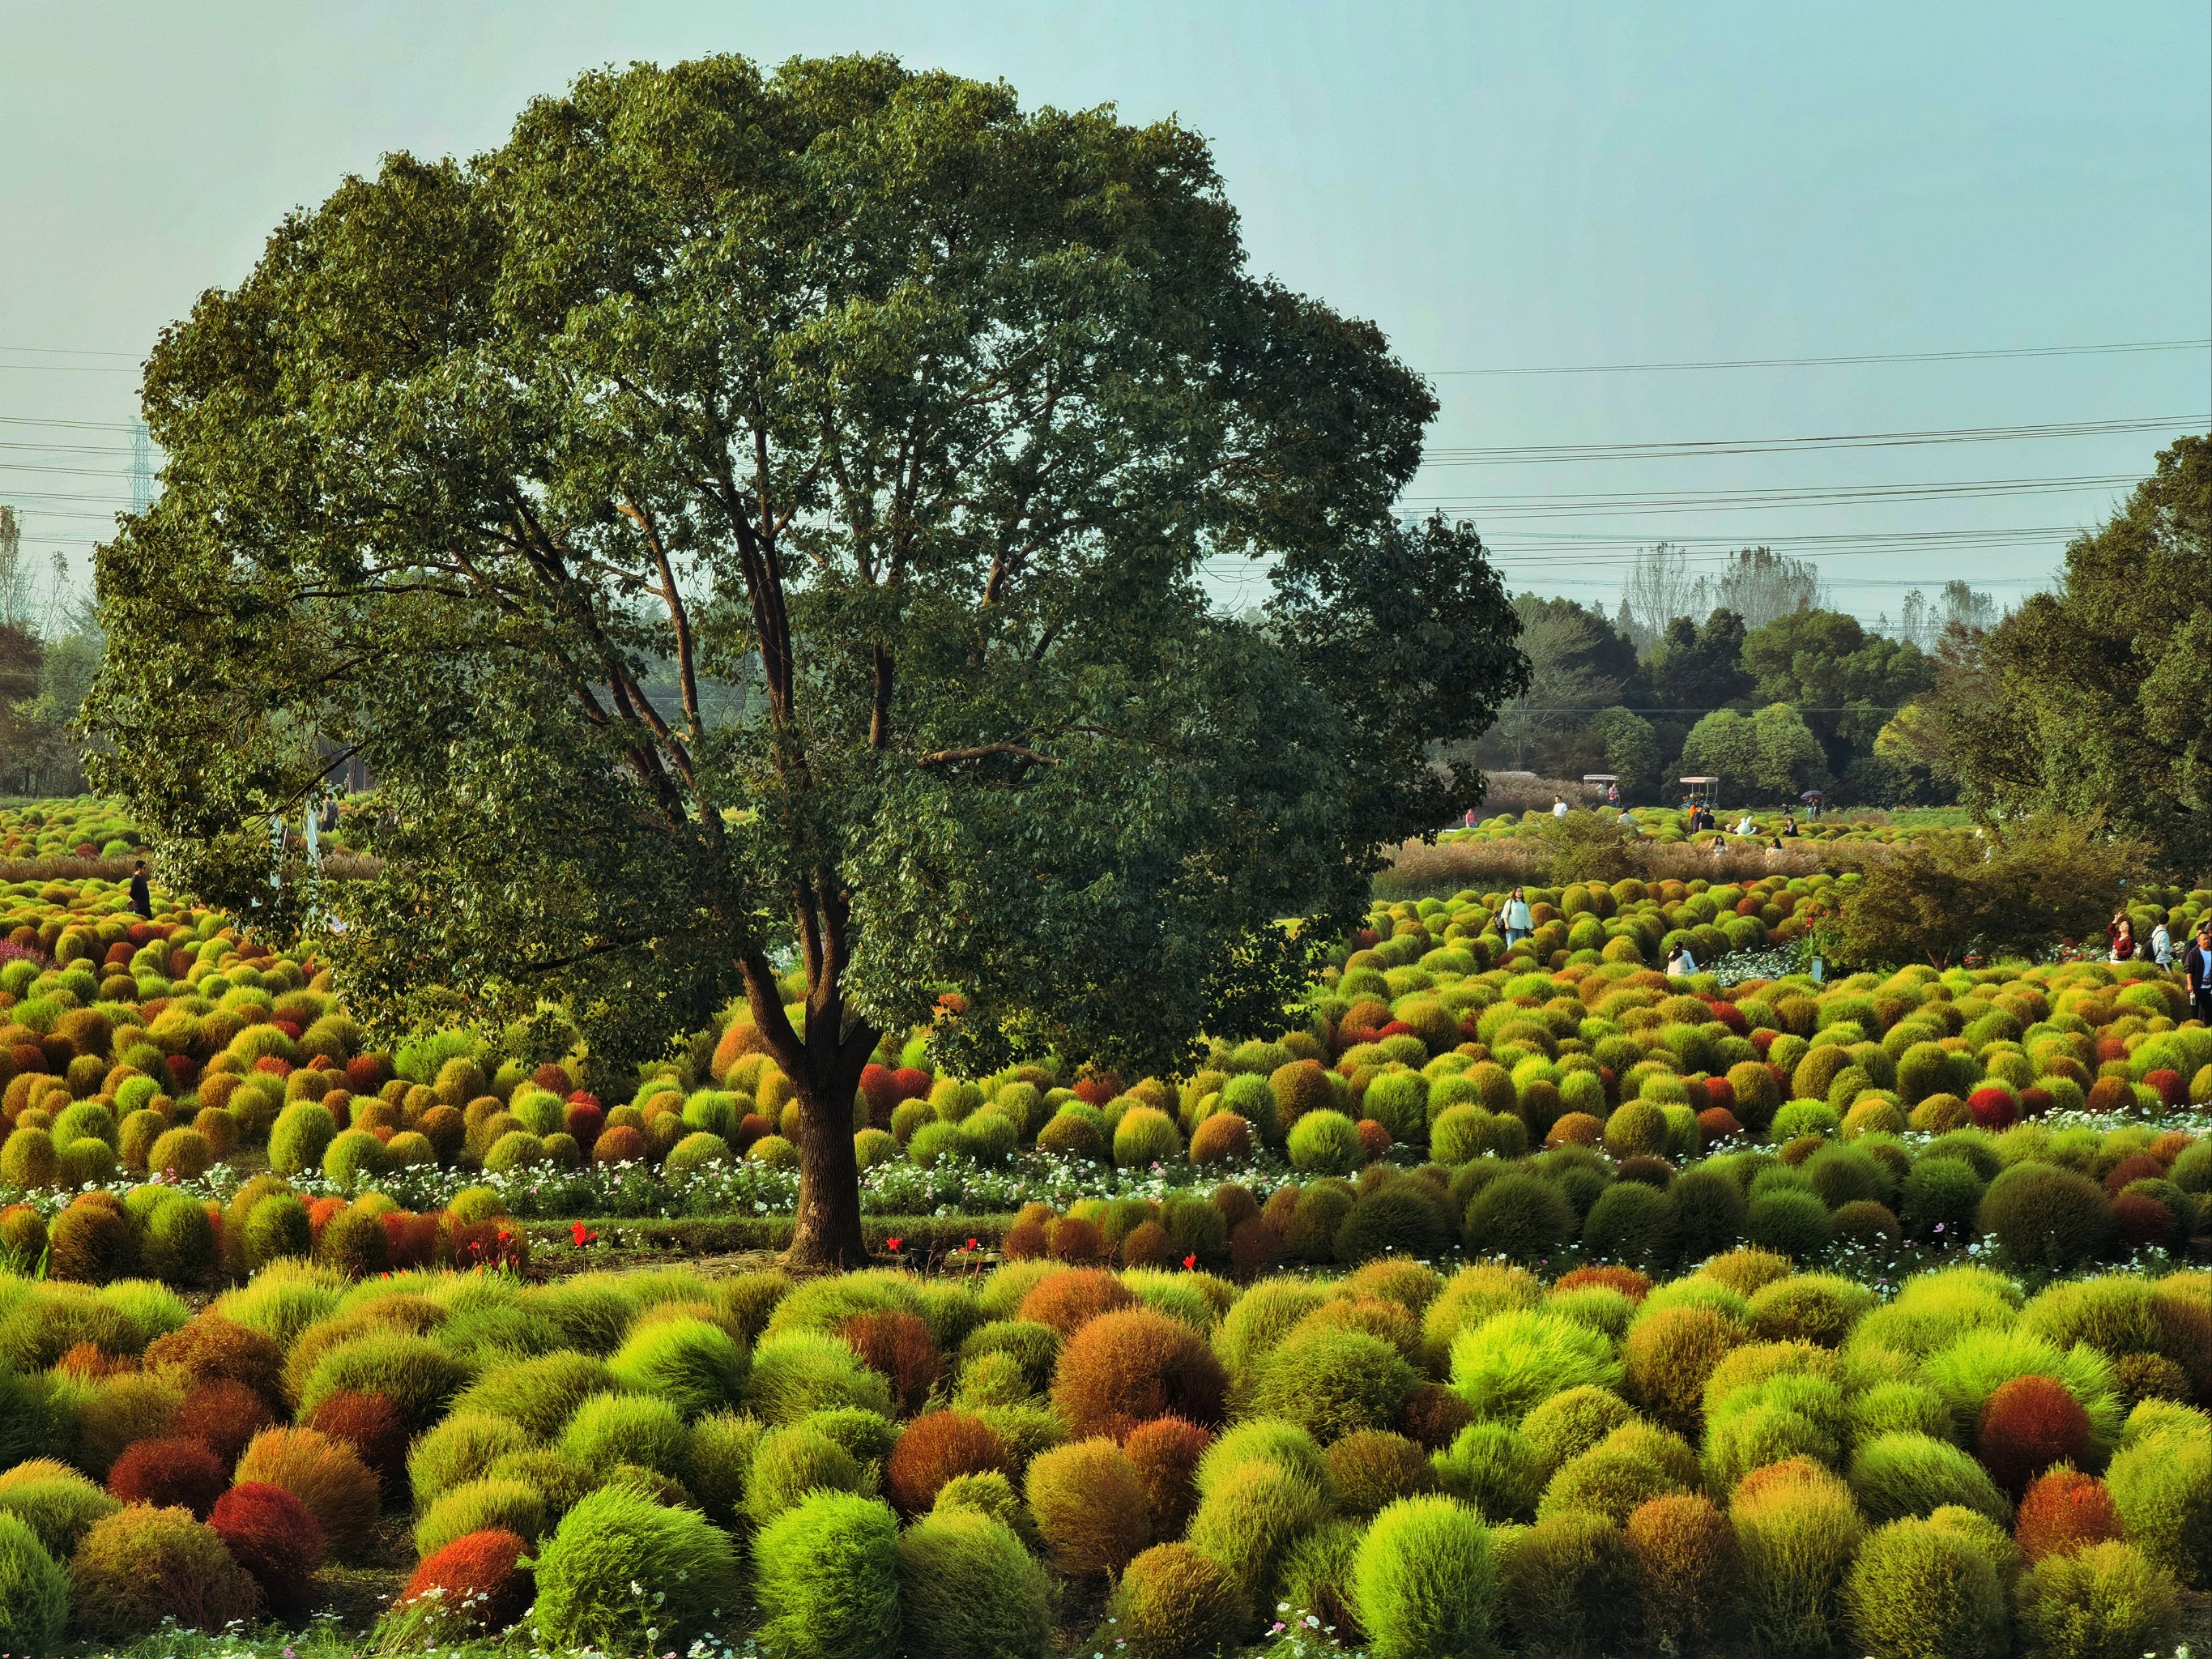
(893, 1244)
(581, 1234)
(973, 1245)
(1189, 1262)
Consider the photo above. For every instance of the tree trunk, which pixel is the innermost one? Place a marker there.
(827, 1231)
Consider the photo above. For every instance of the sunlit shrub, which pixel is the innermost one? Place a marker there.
(1919, 1591)
(140, 1566)
(1424, 1581)
(618, 1535)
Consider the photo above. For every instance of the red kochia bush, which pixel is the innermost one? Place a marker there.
(586, 1121)
(221, 1415)
(2029, 1424)
(2171, 1087)
(478, 1579)
(373, 1424)
(2111, 1094)
(1067, 1300)
(2138, 1166)
(2143, 1220)
(914, 1083)
(271, 1534)
(172, 1471)
(1166, 1451)
(1071, 1239)
(1433, 1415)
(1122, 1368)
(2063, 1511)
(1994, 1106)
(899, 1345)
(880, 1085)
(936, 1447)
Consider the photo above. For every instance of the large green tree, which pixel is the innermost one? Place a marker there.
(2092, 699)
(917, 417)
(1849, 682)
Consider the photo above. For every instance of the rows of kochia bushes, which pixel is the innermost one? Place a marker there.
(163, 1046)
(84, 827)
(874, 1465)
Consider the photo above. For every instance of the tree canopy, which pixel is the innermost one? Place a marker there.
(2092, 699)
(916, 417)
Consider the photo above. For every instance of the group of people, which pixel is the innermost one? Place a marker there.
(1519, 921)
(2120, 935)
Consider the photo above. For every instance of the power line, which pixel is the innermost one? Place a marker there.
(1863, 357)
(1738, 500)
(1525, 454)
(79, 426)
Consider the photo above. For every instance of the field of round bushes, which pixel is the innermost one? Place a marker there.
(1513, 1300)
(1051, 1458)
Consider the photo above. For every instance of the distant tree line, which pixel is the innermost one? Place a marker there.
(47, 661)
(1762, 686)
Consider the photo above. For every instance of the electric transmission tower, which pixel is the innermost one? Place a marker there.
(141, 467)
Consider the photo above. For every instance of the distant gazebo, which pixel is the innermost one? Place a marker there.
(1704, 791)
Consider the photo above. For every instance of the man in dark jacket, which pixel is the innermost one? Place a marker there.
(141, 898)
(2196, 965)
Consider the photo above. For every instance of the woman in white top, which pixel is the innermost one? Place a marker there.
(1681, 963)
(1519, 923)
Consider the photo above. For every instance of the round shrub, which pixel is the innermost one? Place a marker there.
(1334, 1381)
(968, 1590)
(798, 1372)
(34, 1591)
(1165, 1453)
(617, 1535)
(1225, 1138)
(1326, 1143)
(1920, 1590)
(1797, 1528)
(1425, 1582)
(1173, 1602)
(417, 1374)
(2109, 1601)
(1522, 1217)
(56, 1502)
(302, 1133)
(270, 1534)
(1403, 1218)
(477, 1584)
(1372, 1468)
(1515, 1361)
(1791, 1221)
(2162, 1487)
(1250, 1514)
(2062, 1510)
(326, 1476)
(612, 1428)
(539, 1395)
(1634, 1224)
(1499, 1470)
(1072, 1298)
(1145, 1136)
(2044, 1216)
(696, 1366)
(371, 1426)
(939, 1447)
(501, 1502)
(791, 1463)
(1125, 1368)
(1669, 1353)
(1900, 1475)
(1568, 1585)
(461, 1448)
(1687, 1566)
(141, 1566)
(169, 1472)
(1089, 1505)
(2028, 1424)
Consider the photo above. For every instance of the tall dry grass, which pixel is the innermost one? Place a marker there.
(1420, 869)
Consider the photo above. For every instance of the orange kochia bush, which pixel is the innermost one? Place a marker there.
(937, 1446)
(1125, 1368)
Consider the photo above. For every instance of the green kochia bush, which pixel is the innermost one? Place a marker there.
(617, 1535)
(1898, 1475)
(1921, 1590)
(827, 1577)
(698, 1367)
(34, 1591)
(1425, 1582)
(968, 1590)
(1515, 1361)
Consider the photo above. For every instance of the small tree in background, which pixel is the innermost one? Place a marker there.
(2047, 879)
(917, 416)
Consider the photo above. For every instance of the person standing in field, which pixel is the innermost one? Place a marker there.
(2161, 946)
(142, 896)
(1519, 923)
(2196, 965)
(1559, 807)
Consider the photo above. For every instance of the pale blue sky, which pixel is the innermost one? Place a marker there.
(1499, 185)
